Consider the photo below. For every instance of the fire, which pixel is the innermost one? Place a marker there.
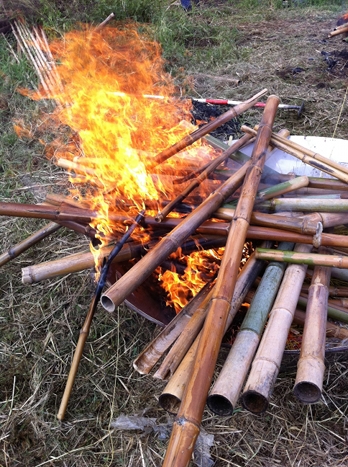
(201, 267)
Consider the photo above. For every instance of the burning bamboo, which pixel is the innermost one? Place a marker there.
(172, 394)
(266, 364)
(187, 426)
(224, 395)
(205, 129)
(296, 257)
(88, 321)
(195, 183)
(311, 365)
(306, 155)
(115, 295)
(36, 237)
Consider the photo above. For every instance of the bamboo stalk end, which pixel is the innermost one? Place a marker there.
(220, 405)
(254, 402)
(307, 392)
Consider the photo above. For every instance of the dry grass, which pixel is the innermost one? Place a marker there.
(39, 324)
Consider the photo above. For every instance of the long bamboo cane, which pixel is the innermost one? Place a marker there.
(304, 205)
(88, 321)
(295, 257)
(147, 359)
(36, 237)
(115, 295)
(311, 364)
(187, 425)
(266, 364)
(204, 130)
(306, 155)
(224, 394)
(334, 312)
(195, 183)
(172, 394)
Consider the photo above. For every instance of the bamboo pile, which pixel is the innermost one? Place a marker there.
(291, 221)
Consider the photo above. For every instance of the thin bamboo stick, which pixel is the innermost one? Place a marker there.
(147, 359)
(302, 258)
(224, 394)
(332, 329)
(187, 425)
(266, 364)
(282, 188)
(172, 394)
(311, 365)
(306, 155)
(205, 129)
(36, 237)
(203, 176)
(115, 295)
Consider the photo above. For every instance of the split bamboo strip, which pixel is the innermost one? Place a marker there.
(187, 425)
(306, 156)
(332, 330)
(266, 364)
(311, 365)
(36, 237)
(147, 359)
(172, 394)
(302, 258)
(116, 294)
(204, 130)
(336, 312)
(184, 341)
(203, 176)
(304, 205)
(224, 394)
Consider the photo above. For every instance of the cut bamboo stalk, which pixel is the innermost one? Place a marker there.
(282, 188)
(295, 257)
(187, 425)
(311, 364)
(306, 155)
(333, 291)
(205, 129)
(172, 394)
(200, 178)
(147, 359)
(314, 182)
(36, 237)
(224, 394)
(332, 329)
(327, 219)
(304, 205)
(266, 364)
(339, 30)
(116, 294)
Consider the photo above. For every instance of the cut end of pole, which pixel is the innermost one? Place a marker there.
(169, 402)
(307, 392)
(254, 402)
(107, 303)
(220, 405)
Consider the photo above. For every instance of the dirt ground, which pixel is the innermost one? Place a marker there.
(289, 53)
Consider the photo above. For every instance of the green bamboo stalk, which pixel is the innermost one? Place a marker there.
(226, 390)
(304, 205)
(302, 258)
(335, 313)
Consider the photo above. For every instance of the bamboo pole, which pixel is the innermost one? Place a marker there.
(204, 130)
(187, 425)
(147, 359)
(306, 155)
(172, 394)
(304, 205)
(224, 394)
(317, 259)
(89, 317)
(115, 295)
(282, 188)
(203, 176)
(332, 329)
(22, 246)
(266, 364)
(333, 291)
(334, 312)
(339, 30)
(311, 364)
